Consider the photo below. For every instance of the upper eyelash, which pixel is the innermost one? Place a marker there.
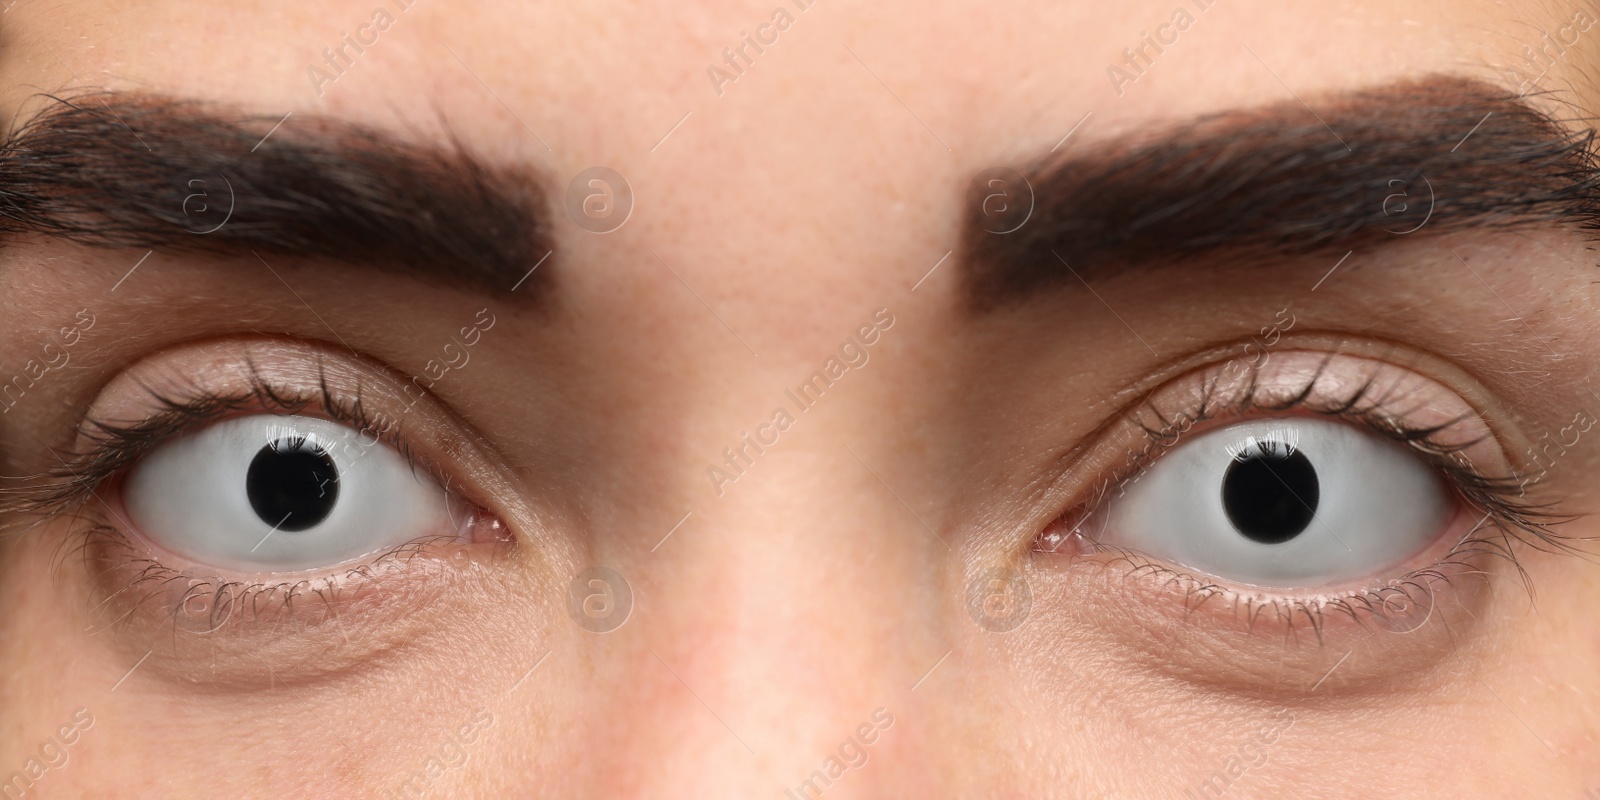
(112, 447)
(1512, 515)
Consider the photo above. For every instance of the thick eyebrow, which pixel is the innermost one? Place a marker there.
(115, 170)
(1365, 169)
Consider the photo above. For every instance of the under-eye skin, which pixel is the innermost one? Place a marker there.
(181, 459)
(1240, 477)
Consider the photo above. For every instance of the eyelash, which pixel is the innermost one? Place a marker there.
(1506, 510)
(111, 449)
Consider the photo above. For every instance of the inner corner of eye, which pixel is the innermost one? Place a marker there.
(285, 493)
(1287, 503)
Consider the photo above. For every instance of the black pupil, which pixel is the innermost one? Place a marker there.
(292, 484)
(1270, 493)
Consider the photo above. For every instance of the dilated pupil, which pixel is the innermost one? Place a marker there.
(1270, 494)
(292, 484)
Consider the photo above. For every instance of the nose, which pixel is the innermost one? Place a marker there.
(773, 635)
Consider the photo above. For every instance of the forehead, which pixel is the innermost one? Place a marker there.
(831, 135)
(581, 72)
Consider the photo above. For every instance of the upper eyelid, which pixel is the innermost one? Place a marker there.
(106, 448)
(425, 426)
(1480, 486)
(1369, 400)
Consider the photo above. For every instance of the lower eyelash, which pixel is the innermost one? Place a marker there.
(204, 604)
(1367, 607)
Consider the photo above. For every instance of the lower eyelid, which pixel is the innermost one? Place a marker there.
(163, 574)
(1383, 635)
(1167, 623)
(219, 631)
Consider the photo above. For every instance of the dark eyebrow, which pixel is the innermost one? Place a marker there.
(116, 170)
(1277, 181)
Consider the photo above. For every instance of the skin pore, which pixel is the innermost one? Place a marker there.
(788, 598)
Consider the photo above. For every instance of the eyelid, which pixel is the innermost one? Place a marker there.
(177, 393)
(1385, 398)
(1176, 623)
(185, 388)
(136, 591)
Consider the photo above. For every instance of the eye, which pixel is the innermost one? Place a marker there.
(271, 493)
(1293, 502)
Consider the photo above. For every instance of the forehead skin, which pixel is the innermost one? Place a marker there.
(770, 220)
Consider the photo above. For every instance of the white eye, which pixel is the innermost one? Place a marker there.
(281, 493)
(1283, 503)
